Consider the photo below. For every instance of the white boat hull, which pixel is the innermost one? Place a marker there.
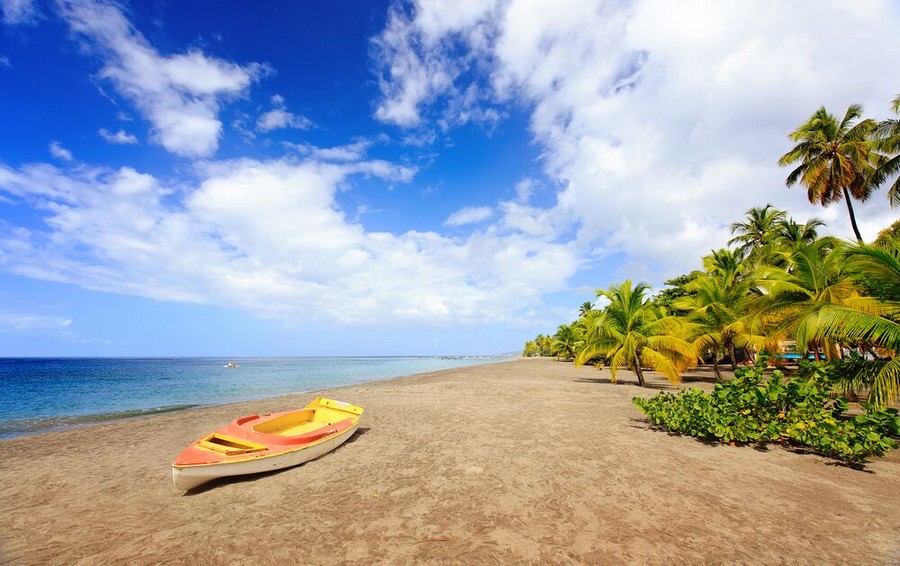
(189, 477)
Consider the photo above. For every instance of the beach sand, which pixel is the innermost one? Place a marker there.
(529, 461)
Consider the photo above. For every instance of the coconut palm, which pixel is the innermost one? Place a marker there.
(566, 341)
(871, 320)
(719, 306)
(759, 229)
(815, 278)
(887, 140)
(791, 233)
(630, 332)
(585, 308)
(836, 159)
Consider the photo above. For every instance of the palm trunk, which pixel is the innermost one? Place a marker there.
(638, 372)
(716, 368)
(852, 216)
(731, 359)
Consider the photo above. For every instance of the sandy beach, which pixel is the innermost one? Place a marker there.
(529, 461)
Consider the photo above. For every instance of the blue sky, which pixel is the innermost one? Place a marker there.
(361, 178)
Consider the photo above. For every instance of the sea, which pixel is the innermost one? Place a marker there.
(47, 394)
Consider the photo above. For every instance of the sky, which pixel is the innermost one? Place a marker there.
(409, 177)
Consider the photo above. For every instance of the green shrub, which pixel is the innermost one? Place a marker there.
(751, 409)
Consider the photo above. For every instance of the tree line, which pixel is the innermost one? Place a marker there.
(777, 283)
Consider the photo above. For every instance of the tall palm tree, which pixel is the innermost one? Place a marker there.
(836, 159)
(631, 333)
(759, 229)
(887, 140)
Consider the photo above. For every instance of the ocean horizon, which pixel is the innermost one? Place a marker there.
(48, 394)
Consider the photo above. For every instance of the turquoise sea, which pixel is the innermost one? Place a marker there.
(42, 394)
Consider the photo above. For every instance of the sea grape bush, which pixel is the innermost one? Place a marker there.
(800, 410)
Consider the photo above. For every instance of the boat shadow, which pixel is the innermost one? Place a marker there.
(229, 480)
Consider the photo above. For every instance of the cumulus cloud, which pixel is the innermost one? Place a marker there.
(422, 53)
(268, 237)
(179, 94)
(661, 123)
(469, 215)
(121, 137)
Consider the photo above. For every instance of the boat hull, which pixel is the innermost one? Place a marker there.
(256, 444)
(189, 477)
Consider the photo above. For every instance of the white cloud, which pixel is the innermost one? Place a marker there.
(179, 94)
(279, 118)
(120, 137)
(411, 77)
(350, 152)
(19, 12)
(4, 61)
(662, 122)
(269, 237)
(18, 323)
(469, 215)
(59, 152)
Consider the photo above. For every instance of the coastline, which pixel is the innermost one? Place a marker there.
(529, 460)
(133, 379)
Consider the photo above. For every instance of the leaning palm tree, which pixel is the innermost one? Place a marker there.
(631, 333)
(836, 159)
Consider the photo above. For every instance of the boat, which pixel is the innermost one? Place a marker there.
(231, 365)
(262, 443)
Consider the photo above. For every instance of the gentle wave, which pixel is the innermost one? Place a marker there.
(17, 427)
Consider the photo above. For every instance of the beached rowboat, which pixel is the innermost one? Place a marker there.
(256, 443)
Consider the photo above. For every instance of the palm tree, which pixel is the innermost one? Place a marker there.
(887, 140)
(566, 341)
(836, 159)
(631, 333)
(872, 320)
(759, 229)
(719, 305)
(585, 308)
(815, 278)
(791, 233)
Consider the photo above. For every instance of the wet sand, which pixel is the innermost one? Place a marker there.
(530, 461)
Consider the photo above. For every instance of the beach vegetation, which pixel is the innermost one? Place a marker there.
(755, 409)
(633, 333)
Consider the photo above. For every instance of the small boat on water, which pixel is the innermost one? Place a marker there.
(262, 443)
(231, 365)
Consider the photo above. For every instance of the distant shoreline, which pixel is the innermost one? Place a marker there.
(28, 425)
